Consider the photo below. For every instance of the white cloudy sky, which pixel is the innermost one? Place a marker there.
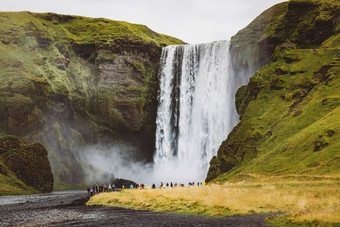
(193, 21)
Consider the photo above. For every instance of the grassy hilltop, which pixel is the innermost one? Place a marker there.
(290, 109)
(67, 81)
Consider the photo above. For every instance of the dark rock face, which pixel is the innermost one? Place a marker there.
(214, 169)
(127, 183)
(29, 163)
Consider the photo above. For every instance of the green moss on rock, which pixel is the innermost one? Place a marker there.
(29, 163)
(290, 108)
(68, 81)
(8, 143)
(300, 23)
(214, 169)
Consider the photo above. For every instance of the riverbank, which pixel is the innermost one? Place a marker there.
(306, 201)
(66, 208)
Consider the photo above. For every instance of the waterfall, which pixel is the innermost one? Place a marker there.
(196, 109)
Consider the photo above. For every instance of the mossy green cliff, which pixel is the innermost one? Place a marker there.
(290, 109)
(23, 168)
(67, 81)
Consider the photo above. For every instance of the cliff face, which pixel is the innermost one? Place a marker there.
(290, 109)
(68, 81)
(23, 168)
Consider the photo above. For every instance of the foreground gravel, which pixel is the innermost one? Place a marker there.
(66, 208)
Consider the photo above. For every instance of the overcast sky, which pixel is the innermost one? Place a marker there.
(193, 21)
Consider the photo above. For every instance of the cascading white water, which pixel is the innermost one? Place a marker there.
(196, 109)
(195, 114)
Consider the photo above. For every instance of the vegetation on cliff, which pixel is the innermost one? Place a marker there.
(23, 168)
(290, 109)
(67, 81)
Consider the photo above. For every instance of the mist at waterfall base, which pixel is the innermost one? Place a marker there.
(196, 111)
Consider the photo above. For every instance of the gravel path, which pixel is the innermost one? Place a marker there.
(67, 208)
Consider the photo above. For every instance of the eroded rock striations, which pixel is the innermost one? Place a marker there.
(68, 81)
(290, 109)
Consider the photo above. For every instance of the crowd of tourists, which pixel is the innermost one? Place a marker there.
(109, 188)
(178, 185)
(101, 188)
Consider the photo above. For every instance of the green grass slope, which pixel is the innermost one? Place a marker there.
(80, 30)
(290, 109)
(11, 185)
(23, 168)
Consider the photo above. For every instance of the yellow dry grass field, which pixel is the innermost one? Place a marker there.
(307, 202)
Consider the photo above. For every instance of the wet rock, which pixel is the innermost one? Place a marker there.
(120, 182)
